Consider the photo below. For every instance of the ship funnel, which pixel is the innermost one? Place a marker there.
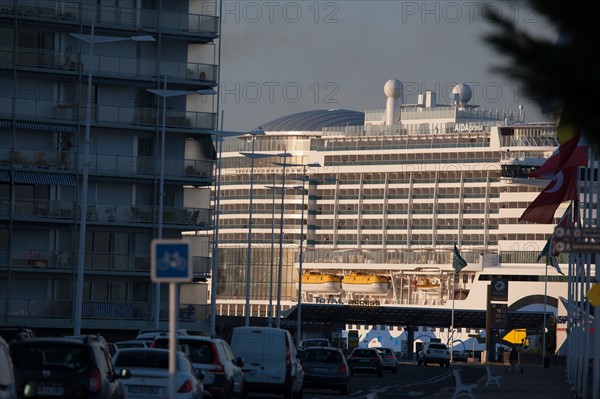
(394, 90)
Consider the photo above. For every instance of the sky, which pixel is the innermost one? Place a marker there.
(284, 57)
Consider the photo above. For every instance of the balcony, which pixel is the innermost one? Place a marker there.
(40, 166)
(40, 210)
(201, 26)
(104, 115)
(107, 66)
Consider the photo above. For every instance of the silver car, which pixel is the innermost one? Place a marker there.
(389, 359)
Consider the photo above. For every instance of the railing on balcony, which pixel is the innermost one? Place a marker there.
(105, 164)
(36, 259)
(75, 12)
(100, 310)
(107, 66)
(66, 112)
(99, 213)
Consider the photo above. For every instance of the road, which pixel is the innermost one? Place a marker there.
(411, 381)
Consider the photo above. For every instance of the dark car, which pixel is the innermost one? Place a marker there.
(366, 360)
(223, 375)
(63, 367)
(389, 359)
(325, 368)
(460, 356)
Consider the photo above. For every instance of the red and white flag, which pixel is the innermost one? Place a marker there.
(563, 187)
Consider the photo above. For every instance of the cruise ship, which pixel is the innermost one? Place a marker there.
(375, 223)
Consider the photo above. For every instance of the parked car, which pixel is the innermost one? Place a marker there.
(271, 363)
(366, 360)
(7, 374)
(64, 367)
(134, 343)
(111, 348)
(434, 352)
(389, 359)
(154, 333)
(305, 343)
(223, 375)
(149, 370)
(325, 368)
(459, 356)
(15, 333)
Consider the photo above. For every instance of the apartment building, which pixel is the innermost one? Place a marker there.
(143, 176)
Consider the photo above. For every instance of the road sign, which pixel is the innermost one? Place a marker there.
(593, 295)
(170, 261)
(499, 289)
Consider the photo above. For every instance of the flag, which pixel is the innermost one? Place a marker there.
(458, 263)
(550, 258)
(570, 154)
(563, 187)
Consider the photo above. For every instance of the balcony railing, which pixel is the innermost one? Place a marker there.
(41, 260)
(105, 164)
(98, 310)
(76, 12)
(107, 66)
(99, 213)
(66, 112)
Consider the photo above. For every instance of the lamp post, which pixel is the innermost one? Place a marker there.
(284, 164)
(303, 179)
(164, 94)
(90, 40)
(220, 136)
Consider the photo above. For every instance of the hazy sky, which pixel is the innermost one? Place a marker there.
(283, 57)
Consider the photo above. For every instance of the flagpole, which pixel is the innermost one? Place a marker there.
(452, 322)
(545, 305)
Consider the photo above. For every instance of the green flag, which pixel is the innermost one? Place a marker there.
(458, 263)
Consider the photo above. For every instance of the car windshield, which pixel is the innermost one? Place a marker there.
(36, 356)
(364, 353)
(198, 351)
(143, 359)
(385, 351)
(322, 356)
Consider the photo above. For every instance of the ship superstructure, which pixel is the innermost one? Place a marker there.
(382, 213)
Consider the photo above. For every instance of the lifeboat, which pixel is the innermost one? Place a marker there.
(427, 285)
(365, 283)
(322, 283)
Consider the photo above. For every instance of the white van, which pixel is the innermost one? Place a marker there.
(7, 376)
(271, 362)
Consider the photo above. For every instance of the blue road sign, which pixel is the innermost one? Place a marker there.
(171, 261)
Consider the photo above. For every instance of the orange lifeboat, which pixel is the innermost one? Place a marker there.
(365, 283)
(322, 283)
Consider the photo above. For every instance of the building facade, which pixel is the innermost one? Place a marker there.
(45, 63)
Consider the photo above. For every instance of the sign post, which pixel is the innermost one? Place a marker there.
(170, 263)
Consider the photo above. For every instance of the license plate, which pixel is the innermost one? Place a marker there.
(364, 361)
(250, 374)
(142, 389)
(50, 390)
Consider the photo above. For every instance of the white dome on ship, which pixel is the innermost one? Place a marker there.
(393, 88)
(462, 93)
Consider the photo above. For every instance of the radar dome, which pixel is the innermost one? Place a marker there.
(393, 88)
(462, 93)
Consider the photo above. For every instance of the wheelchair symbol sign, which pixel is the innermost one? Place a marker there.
(170, 261)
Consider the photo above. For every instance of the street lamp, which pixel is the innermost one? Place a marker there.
(220, 136)
(284, 164)
(164, 94)
(91, 40)
(303, 179)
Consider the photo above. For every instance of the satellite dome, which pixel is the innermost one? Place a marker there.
(393, 88)
(462, 93)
